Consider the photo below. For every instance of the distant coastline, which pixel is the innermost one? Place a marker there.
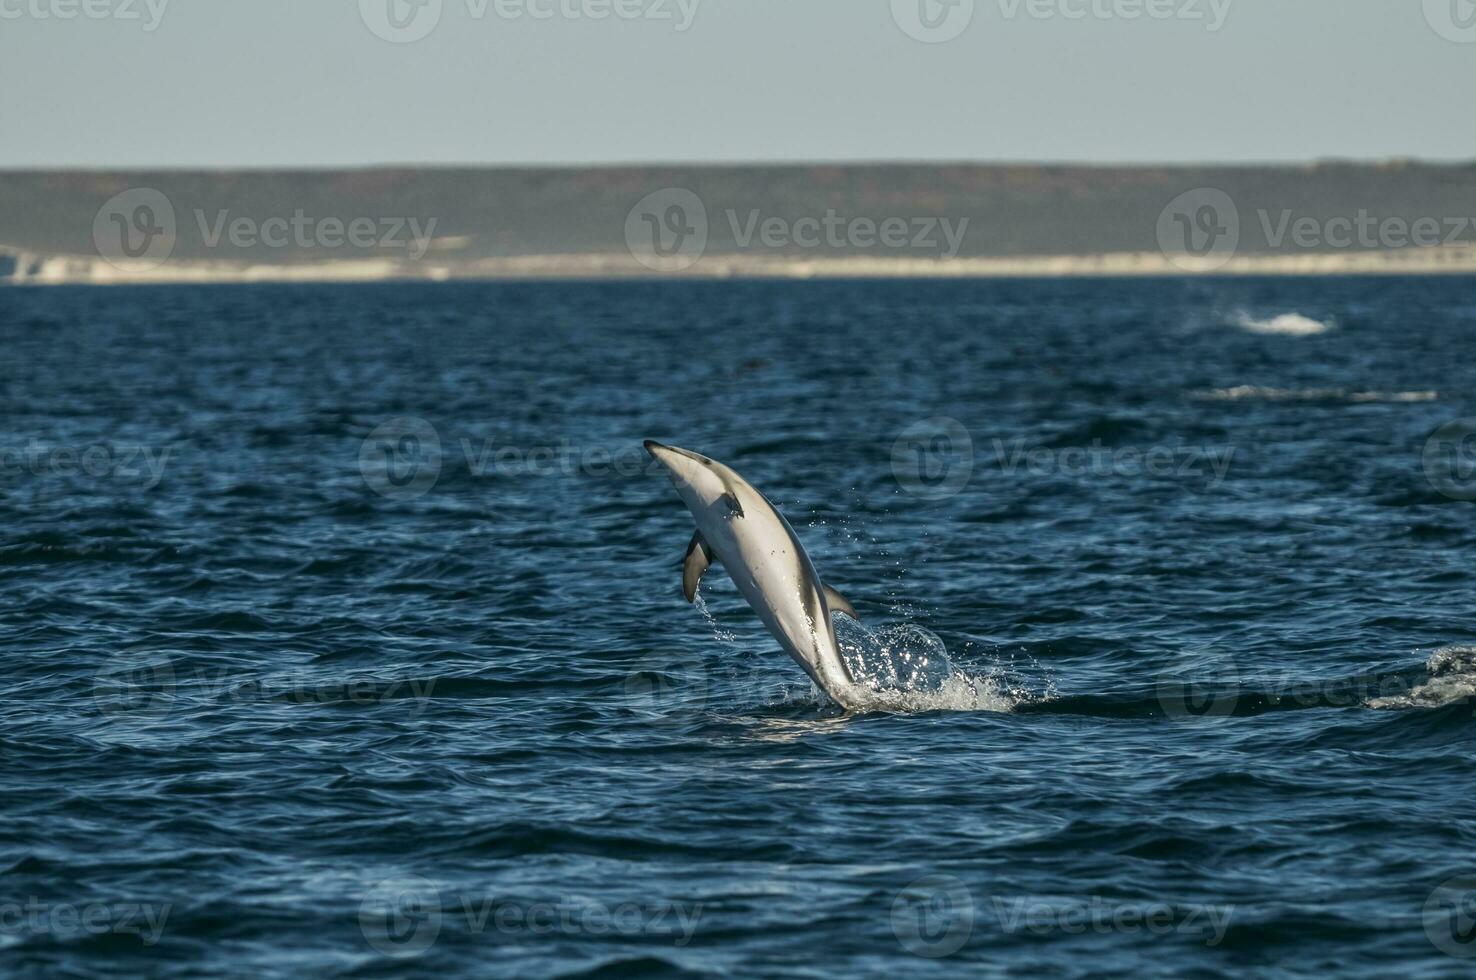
(35, 270)
(708, 222)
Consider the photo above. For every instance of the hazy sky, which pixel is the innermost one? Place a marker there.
(310, 82)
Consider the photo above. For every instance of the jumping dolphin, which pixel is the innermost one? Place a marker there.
(737, 526)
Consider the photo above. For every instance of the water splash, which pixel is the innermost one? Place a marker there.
(902, 668)
(719, 633)
(1451, 677)
(906, 668)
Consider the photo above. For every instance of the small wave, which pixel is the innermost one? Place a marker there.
(633, 966)
(1452, 677)
(1257, 393)
(1284, 325)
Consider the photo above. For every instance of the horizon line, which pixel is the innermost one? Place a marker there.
(941, 163)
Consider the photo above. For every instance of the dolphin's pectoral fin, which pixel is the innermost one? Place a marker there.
(699, 556)
(838, 603)
(735, 509)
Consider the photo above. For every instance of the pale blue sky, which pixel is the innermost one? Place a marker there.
(307, 82)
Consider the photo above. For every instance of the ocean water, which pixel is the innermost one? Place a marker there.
(343, 633)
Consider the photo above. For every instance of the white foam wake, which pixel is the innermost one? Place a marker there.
(1258, 393)
(1452, 677)
(1285, 325)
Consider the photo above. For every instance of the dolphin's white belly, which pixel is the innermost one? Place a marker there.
(773, 573)
(767, 572)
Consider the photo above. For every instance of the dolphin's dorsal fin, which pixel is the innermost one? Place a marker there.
(699, 556)
(838, 603)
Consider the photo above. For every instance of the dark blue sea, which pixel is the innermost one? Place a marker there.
(343, 634)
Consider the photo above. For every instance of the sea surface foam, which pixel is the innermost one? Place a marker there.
(1285, 325)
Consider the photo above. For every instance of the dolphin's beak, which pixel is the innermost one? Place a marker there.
(664, 453)
(661, 454)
